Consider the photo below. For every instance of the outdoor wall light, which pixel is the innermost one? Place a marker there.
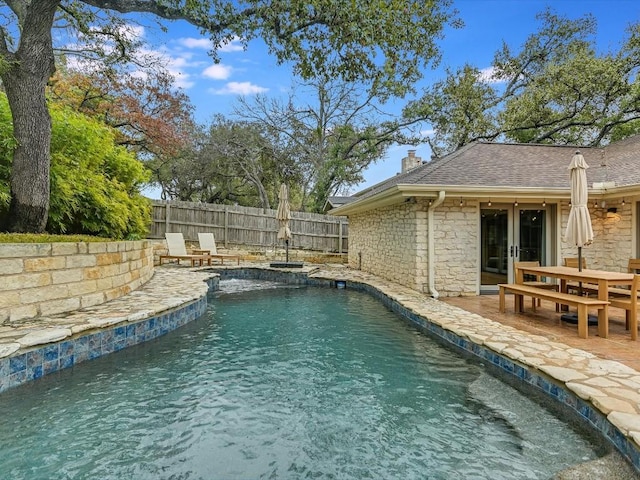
(489, 204)
(612, 214)
(461, 201)
(544, 202)
(515, 203)
(623, 202)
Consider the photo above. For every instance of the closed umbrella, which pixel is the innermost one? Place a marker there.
(283, 215)
(579, 231)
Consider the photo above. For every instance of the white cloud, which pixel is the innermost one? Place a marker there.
(132, 32)
(487, 75)
(217, 71)
(203, 43)
(181, 80)
(240, 88)
(232, 45)
(129, 31)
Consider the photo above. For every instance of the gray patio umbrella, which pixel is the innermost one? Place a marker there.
(283, 215)
(579, 231)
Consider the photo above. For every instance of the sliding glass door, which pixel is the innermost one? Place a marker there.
(510, 233)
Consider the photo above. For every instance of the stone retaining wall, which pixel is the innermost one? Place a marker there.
(47, 278)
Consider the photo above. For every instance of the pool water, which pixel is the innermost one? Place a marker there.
(280, 382)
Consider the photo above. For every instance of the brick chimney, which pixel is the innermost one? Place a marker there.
(411, 161)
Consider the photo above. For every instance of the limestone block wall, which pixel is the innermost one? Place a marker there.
(612, 245)
(456, 237)
(384, 242)
(42, 279)
(392, 242)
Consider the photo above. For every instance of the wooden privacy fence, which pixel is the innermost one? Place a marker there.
(248, 226)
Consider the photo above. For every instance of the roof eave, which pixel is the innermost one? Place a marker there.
(389, 196)
(399, 193)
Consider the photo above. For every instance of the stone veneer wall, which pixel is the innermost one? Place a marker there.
(457, 248)
(386, 242)
(612, 245)
(393, 243)
(48, 278)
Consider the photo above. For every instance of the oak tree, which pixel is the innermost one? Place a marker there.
(557, 88)
(385, 43)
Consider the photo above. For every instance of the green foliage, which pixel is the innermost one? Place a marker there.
(7, 145)
(46, 238)
(556, 89)
(94, 183)
(233, 162)
(384, 44)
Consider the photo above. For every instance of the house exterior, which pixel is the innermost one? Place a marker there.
(455, 225)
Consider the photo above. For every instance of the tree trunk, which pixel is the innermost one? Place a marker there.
(25, 81)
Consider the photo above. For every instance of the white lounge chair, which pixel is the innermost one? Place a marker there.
(208, 245)
(178, 251)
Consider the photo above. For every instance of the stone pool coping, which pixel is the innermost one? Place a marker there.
(34, 347)
(604, 393)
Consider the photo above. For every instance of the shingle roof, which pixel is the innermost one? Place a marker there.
(504, 165)
(334, 201)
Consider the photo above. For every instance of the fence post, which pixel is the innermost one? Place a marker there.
(340, 236)
(167, 215)
(226, 225)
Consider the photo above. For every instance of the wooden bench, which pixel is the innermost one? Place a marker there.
(538, 282)
(630, 304)
(581, 303)
(632, 267)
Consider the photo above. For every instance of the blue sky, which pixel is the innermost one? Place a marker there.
(214, 88)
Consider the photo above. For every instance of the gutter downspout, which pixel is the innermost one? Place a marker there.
(431, 246)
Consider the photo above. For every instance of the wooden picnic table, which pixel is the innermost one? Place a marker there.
(603, 279)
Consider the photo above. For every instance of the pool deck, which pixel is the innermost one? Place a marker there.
(605, 372)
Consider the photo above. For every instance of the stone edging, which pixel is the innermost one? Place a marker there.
(168, 301)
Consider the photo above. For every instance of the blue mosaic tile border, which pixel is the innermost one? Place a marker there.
(590, 416)
(298, 278)
(50, 358)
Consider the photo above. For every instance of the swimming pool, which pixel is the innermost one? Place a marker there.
(282, 382)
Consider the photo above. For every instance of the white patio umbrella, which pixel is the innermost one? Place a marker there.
(283, 215)
(579, 231)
